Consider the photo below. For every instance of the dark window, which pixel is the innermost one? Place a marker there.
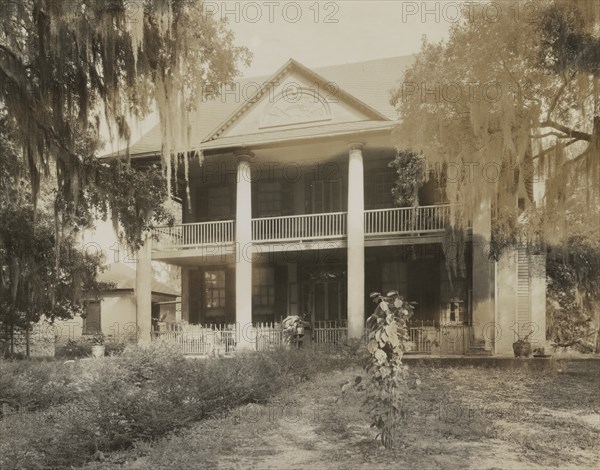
(219, 203)
(214, 289)
(270, 199)
(326, 196)
(381, 190)
(263, 286)
(92, 322)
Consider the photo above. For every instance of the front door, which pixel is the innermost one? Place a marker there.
(324, 295)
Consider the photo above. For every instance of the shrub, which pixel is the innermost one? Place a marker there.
(74, 349)
(141, 394)
(114, 348)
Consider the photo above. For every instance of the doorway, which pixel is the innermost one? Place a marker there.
(324, 294)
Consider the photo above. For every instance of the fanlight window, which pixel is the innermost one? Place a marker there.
(296, 105)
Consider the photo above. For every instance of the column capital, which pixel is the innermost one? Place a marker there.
(243, 155)
(355, 146)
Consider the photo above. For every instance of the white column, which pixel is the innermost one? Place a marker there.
(143, 291)
(356, 242)
(483, 272)
(243, 239)
(506, 301)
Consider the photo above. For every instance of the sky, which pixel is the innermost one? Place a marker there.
(327, 32)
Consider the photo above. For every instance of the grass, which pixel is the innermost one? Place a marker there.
(460, 417)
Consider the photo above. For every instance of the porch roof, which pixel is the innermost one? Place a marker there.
(265, 139)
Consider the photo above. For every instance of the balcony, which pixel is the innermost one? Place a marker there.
(184, 236)
(299, 228)
(381, 223)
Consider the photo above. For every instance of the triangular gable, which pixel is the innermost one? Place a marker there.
(293, 97)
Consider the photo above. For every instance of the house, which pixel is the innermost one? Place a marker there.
(112, 311)
(291, 213)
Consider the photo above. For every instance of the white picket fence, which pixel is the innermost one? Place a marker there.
(221, 340)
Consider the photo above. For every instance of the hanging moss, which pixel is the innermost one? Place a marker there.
(66, 66)
(514, 118)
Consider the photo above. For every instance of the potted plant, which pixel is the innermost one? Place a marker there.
(294, 329)
(98, 348)
(522, 347)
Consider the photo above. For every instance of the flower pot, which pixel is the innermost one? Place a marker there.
(522, 348)
(98, 350)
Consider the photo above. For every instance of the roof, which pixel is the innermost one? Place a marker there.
(368, 83)
(124, 279)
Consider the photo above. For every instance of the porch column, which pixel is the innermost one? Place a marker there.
(143, 291)
(506, 301)
(483, 271)
(356, 242)
(243, 239)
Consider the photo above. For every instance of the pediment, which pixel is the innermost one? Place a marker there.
(294, 98)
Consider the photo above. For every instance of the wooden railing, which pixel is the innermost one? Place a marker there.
(441, 339)
(306, 227)
(406, 220)
(196, 234)
(299, 227)
(329, 334)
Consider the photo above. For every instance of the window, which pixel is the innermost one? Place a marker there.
(92, 322)
(219, 203)
(326, 196)
(214, 289)
(263, 286)
(382, 185)
(269, 199)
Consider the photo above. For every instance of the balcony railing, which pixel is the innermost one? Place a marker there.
(307, 227)
(299, 227)
(196, 234)
(406, 220)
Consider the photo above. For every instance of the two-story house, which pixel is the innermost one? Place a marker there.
(291, 212)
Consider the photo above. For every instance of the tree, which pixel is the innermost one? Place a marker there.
(65, 66)
(39, 278)
(506, 100)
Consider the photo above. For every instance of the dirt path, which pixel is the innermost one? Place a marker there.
(306, 429)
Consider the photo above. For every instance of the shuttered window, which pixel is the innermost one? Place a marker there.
(263, 286)
(523, 293)
(92, 322)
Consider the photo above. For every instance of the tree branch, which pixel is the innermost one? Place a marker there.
(567, 130)
(549, 149)
(560, 91)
